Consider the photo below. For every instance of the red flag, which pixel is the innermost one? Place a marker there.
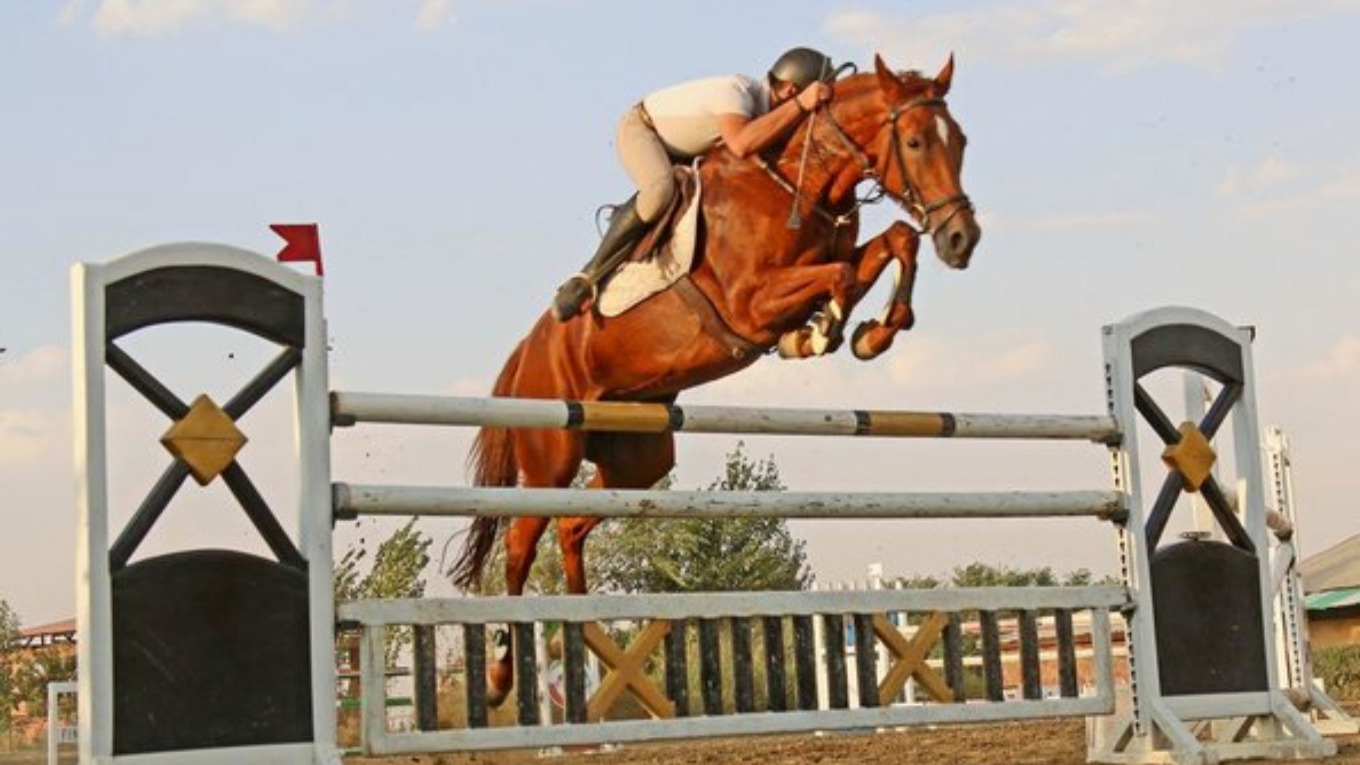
(302, 244)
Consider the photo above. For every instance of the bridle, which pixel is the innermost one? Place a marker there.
(909, 199)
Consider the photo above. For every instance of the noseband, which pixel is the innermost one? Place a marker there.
(909, 200)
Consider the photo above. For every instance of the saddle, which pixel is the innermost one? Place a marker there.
(662, 255)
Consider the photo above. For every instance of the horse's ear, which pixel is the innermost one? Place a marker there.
(945, 77)
(887, 80)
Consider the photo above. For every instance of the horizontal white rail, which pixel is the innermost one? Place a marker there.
(629, 731)
(349, 408)
(377, 616)
(352, 500)
(485, 610)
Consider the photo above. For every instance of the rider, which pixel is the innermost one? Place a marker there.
(682, 122)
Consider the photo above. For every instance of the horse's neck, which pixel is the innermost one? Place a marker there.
(780, 174)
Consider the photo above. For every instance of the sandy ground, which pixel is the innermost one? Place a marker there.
(1044, 742)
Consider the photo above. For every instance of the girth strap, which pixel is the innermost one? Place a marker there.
(713, 324)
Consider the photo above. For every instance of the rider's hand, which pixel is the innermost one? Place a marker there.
(814, 96)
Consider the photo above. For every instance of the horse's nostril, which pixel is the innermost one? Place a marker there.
(957, 241)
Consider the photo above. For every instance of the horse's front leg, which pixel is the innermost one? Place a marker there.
(868, 262)
(795, 291)
(899, 243)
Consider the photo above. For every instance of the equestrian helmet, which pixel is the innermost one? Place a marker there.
(802, 67)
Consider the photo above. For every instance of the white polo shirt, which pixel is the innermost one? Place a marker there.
(686, 115)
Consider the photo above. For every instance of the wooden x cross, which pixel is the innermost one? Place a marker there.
(910, 658)
(626, 671)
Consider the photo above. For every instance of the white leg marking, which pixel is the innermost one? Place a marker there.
(892, 297)
(819, 342)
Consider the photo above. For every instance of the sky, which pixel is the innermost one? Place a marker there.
(1122, 156)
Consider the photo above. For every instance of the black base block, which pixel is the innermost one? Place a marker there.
(1210, 635)
(210, 649)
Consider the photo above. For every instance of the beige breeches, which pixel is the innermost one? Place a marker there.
(645, 159)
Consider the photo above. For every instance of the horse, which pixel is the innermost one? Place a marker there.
(764, 278)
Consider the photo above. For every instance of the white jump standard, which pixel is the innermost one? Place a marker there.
(156, 631)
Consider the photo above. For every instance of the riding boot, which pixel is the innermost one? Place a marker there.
(624, 229)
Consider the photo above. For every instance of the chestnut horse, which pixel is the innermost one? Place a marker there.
(761, 279)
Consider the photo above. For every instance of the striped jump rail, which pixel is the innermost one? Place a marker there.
(351, 408)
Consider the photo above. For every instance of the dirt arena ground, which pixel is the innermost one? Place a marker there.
(1045, 742)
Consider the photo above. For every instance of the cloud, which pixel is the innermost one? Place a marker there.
(33, 437)
(1336, 372)
(1085, 221)
(1116, 37)
(34, 371)
(35, 423)
(1341, 364)
(434, 15)
(927, 370)
(1269, 174)
(161, 18)
(1342, 188)
(997, 360)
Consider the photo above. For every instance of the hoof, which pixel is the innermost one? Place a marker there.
(827, 333)
(791, 345)
(495, 696)
(500, 675)
(862, 343)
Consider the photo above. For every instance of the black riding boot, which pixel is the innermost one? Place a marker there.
(624, 228)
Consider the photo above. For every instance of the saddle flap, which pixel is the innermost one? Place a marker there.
(663, 254)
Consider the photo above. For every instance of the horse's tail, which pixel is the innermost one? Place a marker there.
(492, 462)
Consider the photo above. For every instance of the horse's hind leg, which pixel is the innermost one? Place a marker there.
(622, 461)
(548, 459)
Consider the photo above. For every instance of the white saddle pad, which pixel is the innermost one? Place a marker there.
(636, 281)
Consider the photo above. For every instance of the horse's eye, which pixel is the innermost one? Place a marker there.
(913, 143)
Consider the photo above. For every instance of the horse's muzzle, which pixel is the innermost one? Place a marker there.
(954, 241)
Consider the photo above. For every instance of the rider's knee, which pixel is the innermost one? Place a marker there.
(654, 198)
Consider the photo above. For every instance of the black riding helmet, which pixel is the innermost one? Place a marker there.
(802, 67)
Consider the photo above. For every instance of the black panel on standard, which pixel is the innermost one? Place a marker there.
(1210, 636)
(1187, 346)
(210, 649)
(205, 293)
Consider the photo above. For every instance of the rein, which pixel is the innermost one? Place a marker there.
(908, 200)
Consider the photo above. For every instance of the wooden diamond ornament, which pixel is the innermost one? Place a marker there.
(206, 440)
(1193, 456)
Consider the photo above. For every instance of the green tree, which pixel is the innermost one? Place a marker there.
(978, 574)
(397, 572)
(9, 626)
(703, 554)
(985, 575)
(9, 635)
(31, 675)
(918, 582)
